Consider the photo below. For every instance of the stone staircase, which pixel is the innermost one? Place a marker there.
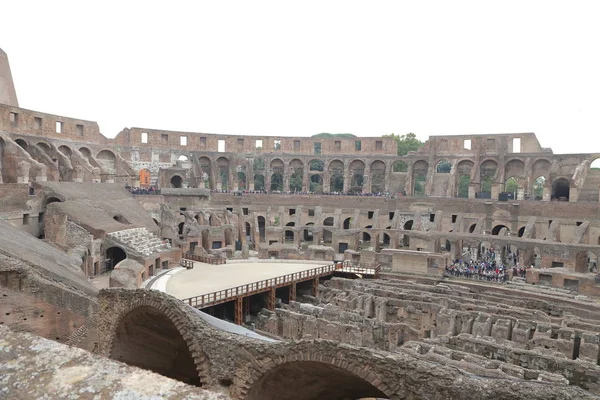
(141, 241)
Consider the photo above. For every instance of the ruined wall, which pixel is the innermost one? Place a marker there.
(8, 94)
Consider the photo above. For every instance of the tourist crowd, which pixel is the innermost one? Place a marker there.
(378, 194)
(142, 190)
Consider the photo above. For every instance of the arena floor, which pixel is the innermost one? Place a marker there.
(206, 278)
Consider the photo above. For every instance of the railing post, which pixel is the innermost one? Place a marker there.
(239, 315)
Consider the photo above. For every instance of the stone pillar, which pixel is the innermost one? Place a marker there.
(366, 180)
(23, 168)
(306, 178)
(268, 174)
(326, 178)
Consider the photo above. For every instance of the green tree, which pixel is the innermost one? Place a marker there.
(406, 143)
(463, 186)
(296, 182)
(486, 184)
(511, 185)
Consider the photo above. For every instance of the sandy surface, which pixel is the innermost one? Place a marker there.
(206, 278)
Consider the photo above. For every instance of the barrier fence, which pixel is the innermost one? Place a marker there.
(223, 296)
(203, 259)
(360, 268)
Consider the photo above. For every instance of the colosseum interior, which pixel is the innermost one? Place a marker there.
(100, 236)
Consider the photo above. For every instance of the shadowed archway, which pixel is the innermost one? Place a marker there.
(307, 380)
(146, 338)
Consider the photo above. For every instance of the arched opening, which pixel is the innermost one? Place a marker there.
(85, 152)
(464, 170)
(348, 220)
(289, 236)
(66, 150)
(521, 231)
(204, 164)
(585, 262)
(223, 177)
(498, 228)
(560, 190)
(472, 228)
(487, 174)
(146, 338)
(144, 177)
(366, 237)
(261, 228)
(328, 221)
(443, 167)
(276, 182)
(44, 147)
(176, 181)
(114, 255)
(408, 225)
(538, 188)
(357, 174)
(595, 165)
(385, 241)
(308, 234)
(445, 246)
(297, 176)
(308, 380)
(399, 166)
(327, 234)
(248, 230)
(419, 174)
(22, 144)
(50, 200)
(259, 182)
(511, 186)
(378, 177)
(336, 171)
(107, 161)
(156, 221)
(316, 184)
(180, 228)
(183, 158)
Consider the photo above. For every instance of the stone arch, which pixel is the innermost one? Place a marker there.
(419, 175)
(45, 147)
(443, 167)
(298, 373)
(173, 319)
(348, 220)
(560, 189)
(336, 171)
(464, 172)
(86, 152)
(115, 254)
(328, 221)
(408, 225)
(357, 174)
(296, 168)
(384, 240)
(22, 143)
(223, 169)
(176, 181)
(541, 167)
(521, 231)
(515, 167)
(399, 166)
(498, 229)
(487, 173)
(107, 161)
(66, 150)
(204, 165)
(165, 351)
(183, 158)
(378, 176)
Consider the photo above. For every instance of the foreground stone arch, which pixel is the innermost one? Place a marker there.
(308, 374)
(126, 313)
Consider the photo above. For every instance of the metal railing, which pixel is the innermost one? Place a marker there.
(225, 295)
(361, 268)
(204, 259)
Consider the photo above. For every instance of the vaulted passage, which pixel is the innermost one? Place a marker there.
(311, 380)
(146, 338)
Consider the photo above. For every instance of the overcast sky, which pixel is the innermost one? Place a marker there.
(300, 68)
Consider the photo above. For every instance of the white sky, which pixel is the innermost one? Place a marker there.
(300, 68)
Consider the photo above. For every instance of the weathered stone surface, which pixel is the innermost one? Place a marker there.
(35, 368)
